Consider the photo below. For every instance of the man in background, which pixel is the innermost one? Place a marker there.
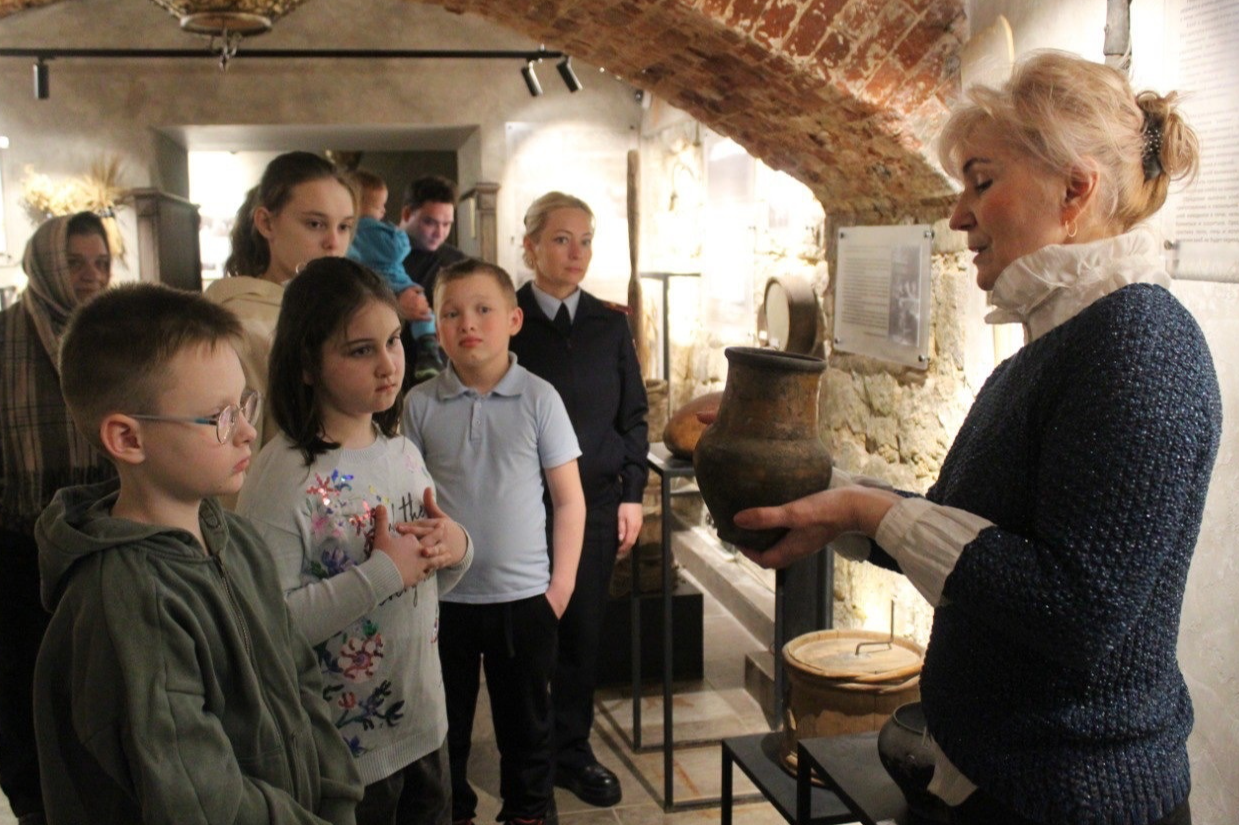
(427, 216)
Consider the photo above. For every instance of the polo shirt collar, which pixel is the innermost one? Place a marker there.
(512, 383)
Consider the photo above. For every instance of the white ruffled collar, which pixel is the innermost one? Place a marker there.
(1051, 286)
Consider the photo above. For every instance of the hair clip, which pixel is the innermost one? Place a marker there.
(1151, 158)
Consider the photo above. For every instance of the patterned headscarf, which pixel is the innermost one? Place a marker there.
(42, 450)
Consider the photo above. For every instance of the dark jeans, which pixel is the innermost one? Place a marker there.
(983, 809)
(24, 622)
(417, 794)
(580, 631)
(514, 642)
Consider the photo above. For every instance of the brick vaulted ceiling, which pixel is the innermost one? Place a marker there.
(844, 95)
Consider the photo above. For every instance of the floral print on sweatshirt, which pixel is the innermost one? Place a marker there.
(354, 657)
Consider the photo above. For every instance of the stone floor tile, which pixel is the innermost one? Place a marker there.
(593, 816)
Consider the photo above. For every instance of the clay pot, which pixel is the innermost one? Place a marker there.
(764, 449)
(683, 431)
(831, 689)
(903, 748)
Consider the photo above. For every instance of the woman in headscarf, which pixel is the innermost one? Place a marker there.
(67, 263)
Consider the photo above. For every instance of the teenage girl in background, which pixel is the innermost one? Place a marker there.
(302, 209)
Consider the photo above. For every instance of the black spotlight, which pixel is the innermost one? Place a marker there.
(42, 80)
(569, 76)
(531, 80)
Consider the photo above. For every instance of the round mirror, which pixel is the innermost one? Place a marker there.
(789, 315)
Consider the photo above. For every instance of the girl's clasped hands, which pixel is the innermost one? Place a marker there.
(420, 547)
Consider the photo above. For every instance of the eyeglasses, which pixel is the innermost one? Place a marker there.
(224, 421)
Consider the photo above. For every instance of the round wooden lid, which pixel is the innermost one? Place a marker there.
(832, 654)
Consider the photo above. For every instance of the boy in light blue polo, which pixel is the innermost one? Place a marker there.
(490, 431)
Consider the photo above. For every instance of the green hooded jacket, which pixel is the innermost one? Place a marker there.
(172, 685)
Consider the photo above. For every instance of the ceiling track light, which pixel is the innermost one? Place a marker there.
(565, 71)
(42, 80)
(223, 44)
(531, 80)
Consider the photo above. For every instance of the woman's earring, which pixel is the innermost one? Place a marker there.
(1071, 228)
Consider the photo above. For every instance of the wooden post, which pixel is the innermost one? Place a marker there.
(636, 304)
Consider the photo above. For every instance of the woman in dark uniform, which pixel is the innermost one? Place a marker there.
(584, 349)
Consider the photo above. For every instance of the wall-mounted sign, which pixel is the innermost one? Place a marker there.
(1203, 36)
(882, 293)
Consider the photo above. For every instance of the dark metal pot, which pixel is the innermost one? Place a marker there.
(903, 748)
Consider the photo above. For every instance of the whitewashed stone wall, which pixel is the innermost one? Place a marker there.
(877, 418)
(895, 423)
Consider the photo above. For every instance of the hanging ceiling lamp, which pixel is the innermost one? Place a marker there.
(217, 17)
(227, 21)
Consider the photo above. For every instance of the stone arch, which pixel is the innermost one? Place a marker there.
(844, 95)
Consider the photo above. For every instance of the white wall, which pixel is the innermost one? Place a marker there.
(1071, 25)
(1209, 635)
(114, 106)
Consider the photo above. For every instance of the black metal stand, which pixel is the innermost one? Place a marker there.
(667, 467)
(850, 767)
(822, 565)
(759, 757)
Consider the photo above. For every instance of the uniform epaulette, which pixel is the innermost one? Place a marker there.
(623, 309)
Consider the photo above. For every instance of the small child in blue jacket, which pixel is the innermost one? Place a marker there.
(383, 248)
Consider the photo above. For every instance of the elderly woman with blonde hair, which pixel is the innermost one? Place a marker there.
(1055, 544)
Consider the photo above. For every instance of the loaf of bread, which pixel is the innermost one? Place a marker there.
(683, 429)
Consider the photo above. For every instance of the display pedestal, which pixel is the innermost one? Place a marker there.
(615, 658)
(759, 755)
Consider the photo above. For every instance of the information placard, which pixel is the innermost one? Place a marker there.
(882, 298)
(1203, 38)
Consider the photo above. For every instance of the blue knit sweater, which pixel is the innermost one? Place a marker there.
(1051, 679)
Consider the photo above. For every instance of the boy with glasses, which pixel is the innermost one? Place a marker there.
(172, 684)
(225, 421)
